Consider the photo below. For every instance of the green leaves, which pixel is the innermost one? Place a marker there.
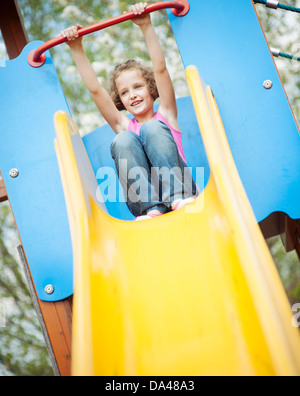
(22, 347)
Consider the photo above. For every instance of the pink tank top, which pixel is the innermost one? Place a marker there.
(135, 127)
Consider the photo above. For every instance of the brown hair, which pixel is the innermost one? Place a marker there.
(131, 64)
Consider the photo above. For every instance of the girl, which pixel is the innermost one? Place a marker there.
(149, 145)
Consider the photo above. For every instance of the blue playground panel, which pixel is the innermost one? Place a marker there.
(29, 98)
(234, 59)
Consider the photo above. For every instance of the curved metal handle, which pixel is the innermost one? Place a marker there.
(37, 58)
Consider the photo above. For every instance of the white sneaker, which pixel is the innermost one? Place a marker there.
(141, 218)
(148, 217)
(183, 203)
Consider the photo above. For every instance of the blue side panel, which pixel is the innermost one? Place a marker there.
(225, 41)
(29, 98)
(98, 143)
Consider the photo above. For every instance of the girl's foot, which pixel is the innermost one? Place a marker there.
(150, 215)
(154, 213)
(180, 203)
(141, 218)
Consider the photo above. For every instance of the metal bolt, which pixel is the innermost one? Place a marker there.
(268, 84)
(14, 173)
(49, 289)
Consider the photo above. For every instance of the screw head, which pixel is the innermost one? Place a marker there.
(49, 289)
(14, 173)
(268, 84)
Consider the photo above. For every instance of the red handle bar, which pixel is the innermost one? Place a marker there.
(37, 58)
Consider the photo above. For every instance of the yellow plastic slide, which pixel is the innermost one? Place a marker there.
(193, 292)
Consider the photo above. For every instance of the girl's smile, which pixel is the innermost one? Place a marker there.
(135, 95)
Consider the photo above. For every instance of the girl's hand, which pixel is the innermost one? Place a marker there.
(72, 35)
(138, 9)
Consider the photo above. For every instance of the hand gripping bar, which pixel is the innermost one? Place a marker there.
(37, 58)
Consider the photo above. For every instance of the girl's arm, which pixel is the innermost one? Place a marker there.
(168, 106)
(117, 121)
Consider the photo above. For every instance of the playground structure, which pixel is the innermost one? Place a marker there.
(207, 298)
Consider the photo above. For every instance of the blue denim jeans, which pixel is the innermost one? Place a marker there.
(150, 169)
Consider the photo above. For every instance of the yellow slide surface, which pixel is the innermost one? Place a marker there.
(193, 292)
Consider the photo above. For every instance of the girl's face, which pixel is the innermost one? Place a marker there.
(135, 95)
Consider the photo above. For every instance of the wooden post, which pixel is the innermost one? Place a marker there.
(3, 193)
(291, 239)
(56, 324)
(297, 232)
(12, 28)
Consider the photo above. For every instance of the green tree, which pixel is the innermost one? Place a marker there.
(22, 347)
